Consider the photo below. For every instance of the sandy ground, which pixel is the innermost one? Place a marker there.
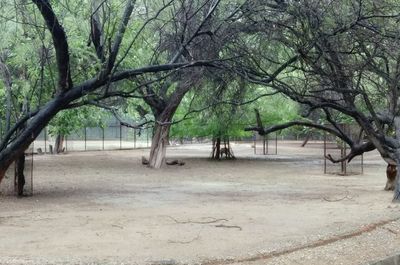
(106, 208)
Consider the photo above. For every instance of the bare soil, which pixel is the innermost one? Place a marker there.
(107, 208)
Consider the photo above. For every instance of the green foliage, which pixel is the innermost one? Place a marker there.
(227, 120)
(69, 121)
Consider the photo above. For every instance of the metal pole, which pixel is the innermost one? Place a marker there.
(276, 143)
(134, 138)
(102, 129)
(344, 155)
(264, 144)
(33, 148)
(120, 136)
(362, 164)
(45, 140)
(66, 143)
(85, 138)
(324, 152)
(255, 143)
(147, 135)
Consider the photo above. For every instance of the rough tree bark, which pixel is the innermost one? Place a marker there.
(159, 146)
(59, 144)
(391, 172)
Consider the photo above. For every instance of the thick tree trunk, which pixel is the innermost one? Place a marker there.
(159, 146)
(391, 172)
(59, 144)
(17, 147)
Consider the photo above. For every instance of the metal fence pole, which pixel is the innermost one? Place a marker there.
(45, 140)
(147, 135)
(134, 138)
(120, 136)
(85, 138)
(263, 142)
(362, 164)
(324, 152)
(255, 143)
(102, 129)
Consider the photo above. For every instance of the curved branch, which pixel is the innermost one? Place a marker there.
(356, 150)
(60, 43)
(16, 126)
(274, 128)
(118, 39)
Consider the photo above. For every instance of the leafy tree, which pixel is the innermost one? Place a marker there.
(67, 73)
(340, 58)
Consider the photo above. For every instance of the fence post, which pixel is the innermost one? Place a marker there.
(134, 138)
(264, 145)
(45, 140)
(147, 135)
(324, 152)
(120, 136)
(255, 143)
(85, 138)
(102, 129)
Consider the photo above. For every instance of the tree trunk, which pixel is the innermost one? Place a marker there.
(306, 140)
(17, 147)
(391, 172)
(159, 146)
(59, 144)
(216, 149)
(396, 196)
(19, 175)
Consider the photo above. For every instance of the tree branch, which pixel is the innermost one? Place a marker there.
(60, 43)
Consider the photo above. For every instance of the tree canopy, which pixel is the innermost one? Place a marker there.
(199, 63)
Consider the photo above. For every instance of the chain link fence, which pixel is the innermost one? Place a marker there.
(97, 139)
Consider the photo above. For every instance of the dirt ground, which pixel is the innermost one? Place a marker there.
(106, 208)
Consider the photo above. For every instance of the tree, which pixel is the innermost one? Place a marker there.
(340, 58)
(81, 80)
(200, 30)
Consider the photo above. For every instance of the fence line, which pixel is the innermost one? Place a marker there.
(98, 138)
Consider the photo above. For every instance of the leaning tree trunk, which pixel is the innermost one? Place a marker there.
(159, 146)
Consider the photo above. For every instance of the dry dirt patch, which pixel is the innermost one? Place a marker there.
(106, 208)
